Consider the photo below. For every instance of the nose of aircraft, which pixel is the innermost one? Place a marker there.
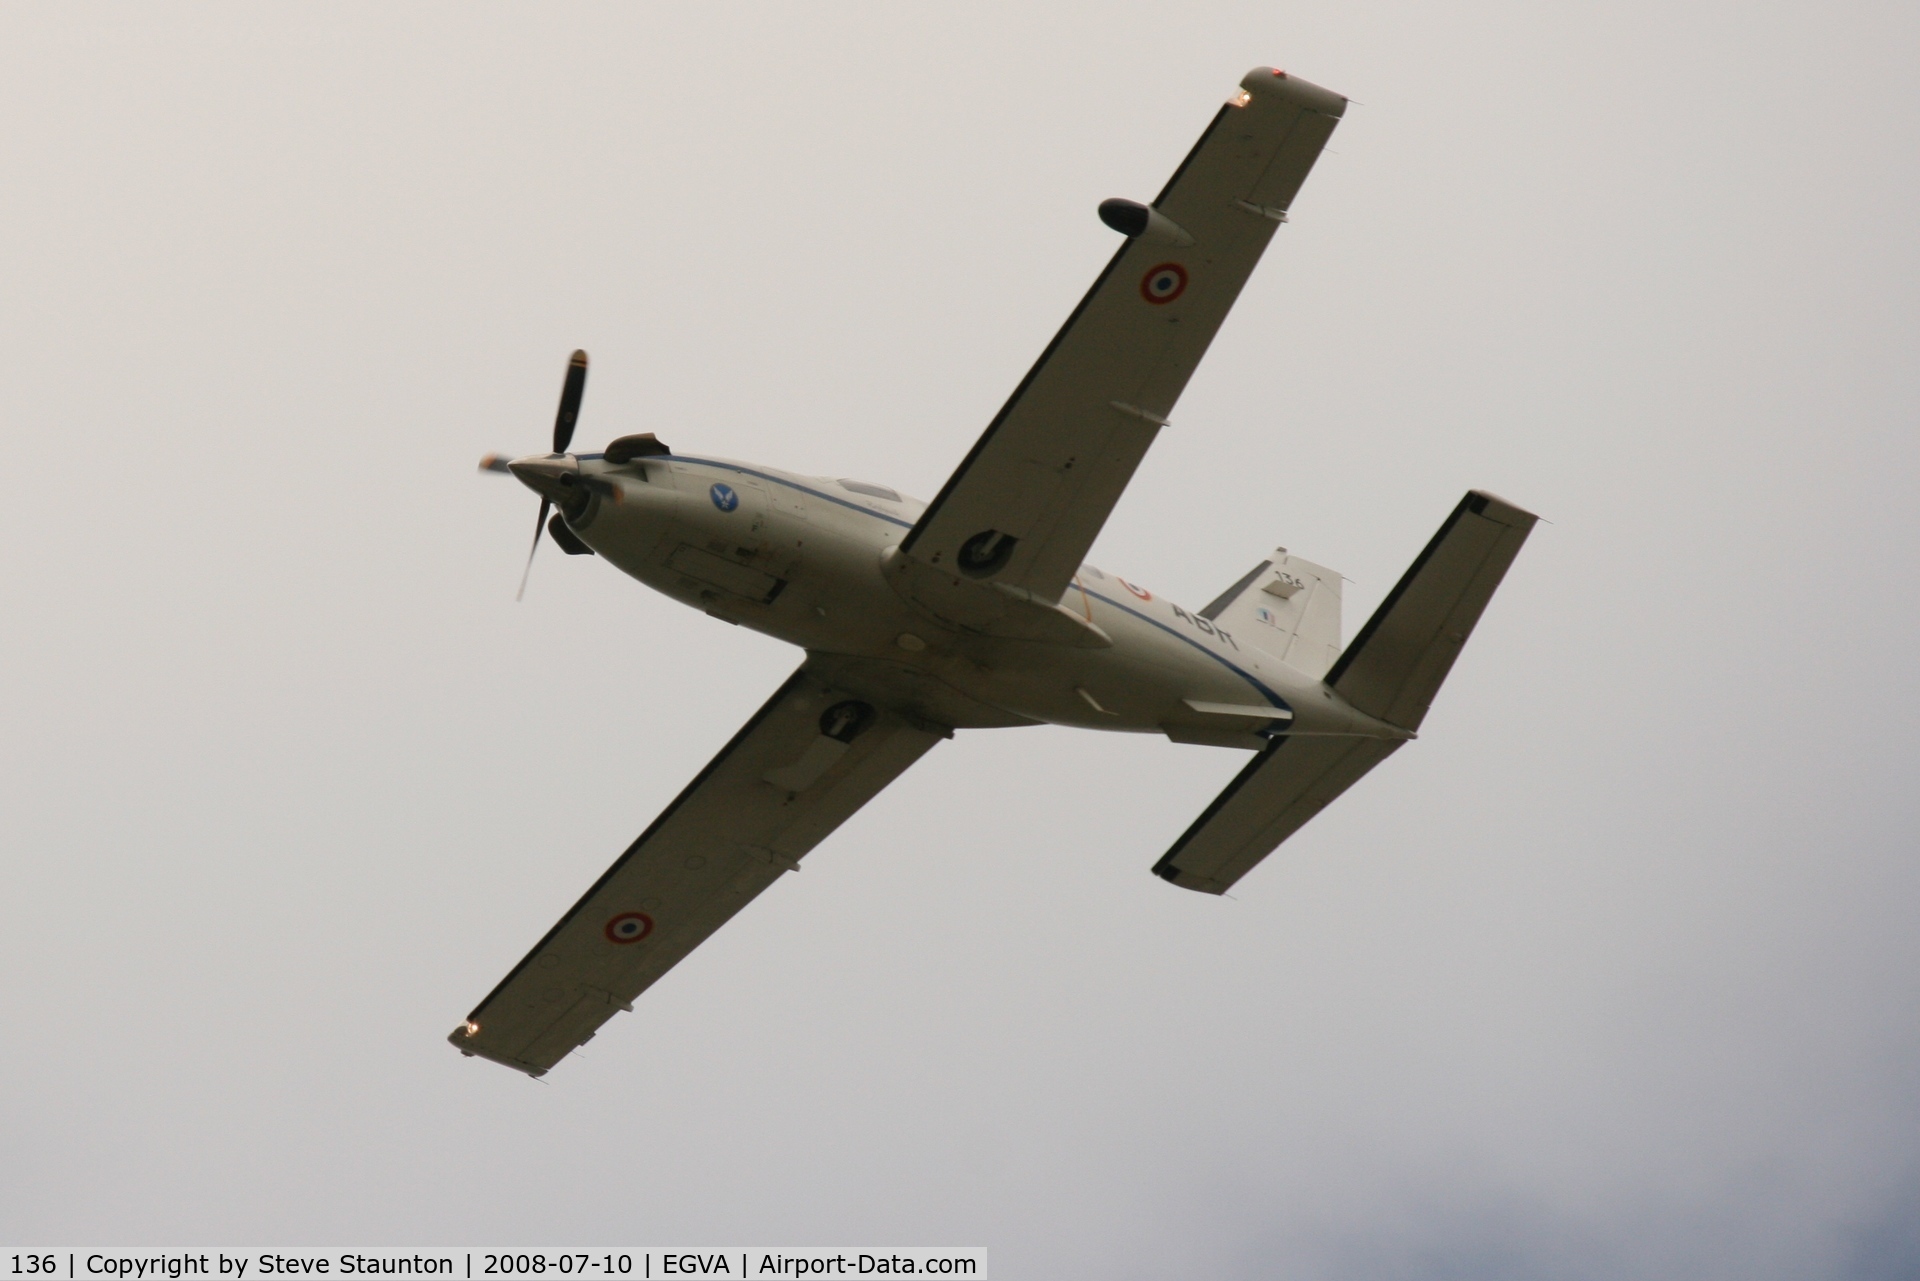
(555, 477)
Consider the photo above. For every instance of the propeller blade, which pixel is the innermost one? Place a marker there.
(576, 386)
(495, 462)
(538, 525)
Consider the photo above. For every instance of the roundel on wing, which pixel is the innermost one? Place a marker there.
(1164, 283)
(723, 497)
(629, 927)
(1141, 592)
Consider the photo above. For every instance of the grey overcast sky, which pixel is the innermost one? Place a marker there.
(1613, 974)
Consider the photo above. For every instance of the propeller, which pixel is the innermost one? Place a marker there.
(558, 476)
(570, 393)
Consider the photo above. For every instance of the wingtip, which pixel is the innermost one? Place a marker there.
(1273, 82)
(1482, 502)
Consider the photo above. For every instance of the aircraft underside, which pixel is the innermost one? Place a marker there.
(978, 610)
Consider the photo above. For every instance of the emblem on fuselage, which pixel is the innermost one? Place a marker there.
(723, 497)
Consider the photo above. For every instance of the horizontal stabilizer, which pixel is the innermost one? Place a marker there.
(1390, 674)
(1273, 797)
(1395, 665)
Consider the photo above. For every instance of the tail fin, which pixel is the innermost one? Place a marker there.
(1390, 672)
(1395, 665)
(1288, 607)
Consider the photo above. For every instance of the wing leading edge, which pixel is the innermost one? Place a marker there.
(1025, 505)
(802, 766)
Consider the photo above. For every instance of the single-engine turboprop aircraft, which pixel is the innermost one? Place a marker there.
(977, 611)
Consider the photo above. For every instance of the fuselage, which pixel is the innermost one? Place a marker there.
(802, 558)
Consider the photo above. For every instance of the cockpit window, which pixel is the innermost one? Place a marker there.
(871, 491)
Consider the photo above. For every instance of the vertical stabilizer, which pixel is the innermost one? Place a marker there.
(1288, 607)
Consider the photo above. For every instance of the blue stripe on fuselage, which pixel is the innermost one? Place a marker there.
(778, 480)
(1215, 655)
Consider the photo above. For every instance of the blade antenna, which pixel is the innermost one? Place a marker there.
(538, 526)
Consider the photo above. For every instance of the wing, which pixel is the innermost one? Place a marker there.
(796, 771)
(1027, 502)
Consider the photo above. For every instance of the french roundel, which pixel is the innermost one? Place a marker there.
(629, 927)
(1164, 283)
